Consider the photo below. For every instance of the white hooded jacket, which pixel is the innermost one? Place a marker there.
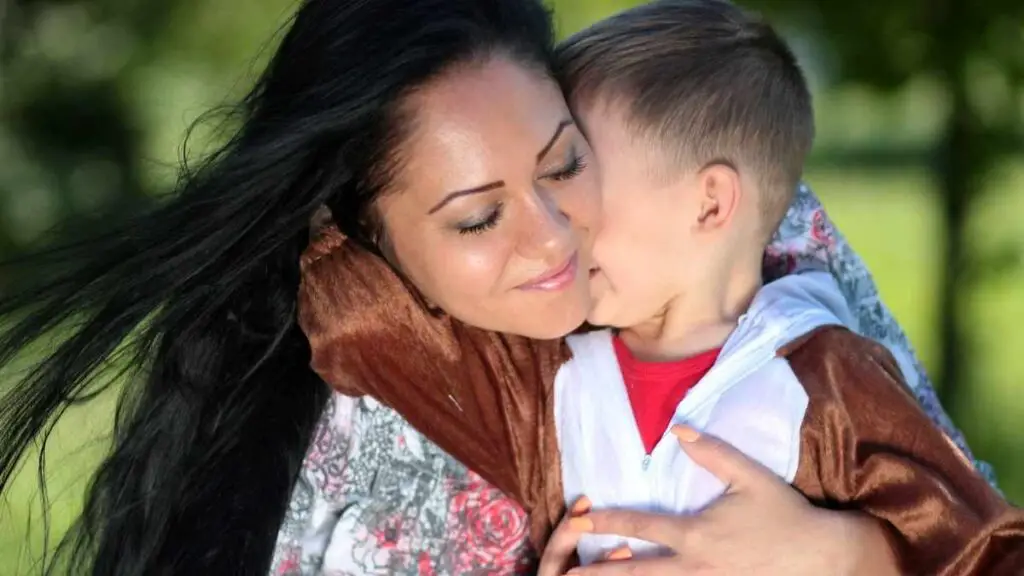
(750, 398)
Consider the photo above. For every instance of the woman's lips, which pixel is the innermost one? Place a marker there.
(556, 279)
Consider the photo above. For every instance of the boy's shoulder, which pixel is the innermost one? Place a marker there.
(852, 381)
(831, 356)
(855, 389)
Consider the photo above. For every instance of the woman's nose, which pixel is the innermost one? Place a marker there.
(547, 231)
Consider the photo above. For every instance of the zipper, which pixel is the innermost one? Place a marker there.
(650, 474)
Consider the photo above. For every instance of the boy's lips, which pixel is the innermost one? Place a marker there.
(556, 278)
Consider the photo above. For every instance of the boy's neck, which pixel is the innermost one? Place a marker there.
(697, 322)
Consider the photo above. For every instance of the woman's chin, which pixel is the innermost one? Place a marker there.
(541, 315)
(556, 322)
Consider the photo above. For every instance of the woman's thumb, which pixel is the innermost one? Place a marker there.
(728, 464)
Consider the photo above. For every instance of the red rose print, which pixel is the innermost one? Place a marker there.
(424, 567)
(821, 229)
(289, 564)
(490, 529)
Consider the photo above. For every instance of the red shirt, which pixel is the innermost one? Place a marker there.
(655, 389)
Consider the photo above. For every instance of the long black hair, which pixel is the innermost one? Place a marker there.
(196, 300)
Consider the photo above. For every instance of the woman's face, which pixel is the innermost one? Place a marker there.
(494, 211)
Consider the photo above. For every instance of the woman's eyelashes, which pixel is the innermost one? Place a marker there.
(484, 224)
(571, 170)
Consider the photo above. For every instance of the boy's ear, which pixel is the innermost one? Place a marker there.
(719, 190)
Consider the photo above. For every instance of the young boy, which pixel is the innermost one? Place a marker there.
(709, 120)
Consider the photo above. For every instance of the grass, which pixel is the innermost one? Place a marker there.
(892, 220)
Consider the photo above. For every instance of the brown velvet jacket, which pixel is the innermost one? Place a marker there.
(487, 399)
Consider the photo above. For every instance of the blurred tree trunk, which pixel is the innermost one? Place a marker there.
(958, 170)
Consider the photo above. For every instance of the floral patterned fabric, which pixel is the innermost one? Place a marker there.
(375, 497)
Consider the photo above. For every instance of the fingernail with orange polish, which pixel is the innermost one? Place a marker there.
(581, 524)
(622, 553)
(685, 433)
(581, 506)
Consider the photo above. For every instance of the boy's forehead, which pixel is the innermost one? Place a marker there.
(618, 142)
(588, 110)
(606, 123)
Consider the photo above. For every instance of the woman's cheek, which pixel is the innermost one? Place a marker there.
(480, 269)
(468, 271)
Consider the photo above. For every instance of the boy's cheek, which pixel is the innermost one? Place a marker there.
(614, 303)
(602, 297)
(598, 286)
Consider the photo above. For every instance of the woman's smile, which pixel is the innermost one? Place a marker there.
(558, 278)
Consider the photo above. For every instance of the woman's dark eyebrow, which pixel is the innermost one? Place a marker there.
(554, 138)
(459, 193)
(499, 183)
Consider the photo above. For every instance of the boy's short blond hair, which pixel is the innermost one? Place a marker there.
(706, 82)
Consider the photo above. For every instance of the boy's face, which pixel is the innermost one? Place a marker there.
(647, 250)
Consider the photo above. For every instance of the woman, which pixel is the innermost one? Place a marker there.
(222, 403)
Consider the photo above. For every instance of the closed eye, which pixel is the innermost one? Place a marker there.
(484, 225)
(573, 169)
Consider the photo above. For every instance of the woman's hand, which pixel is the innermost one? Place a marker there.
(760, 525)
(560, 552)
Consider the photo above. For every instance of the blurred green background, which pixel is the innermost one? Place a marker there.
(919, 159)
